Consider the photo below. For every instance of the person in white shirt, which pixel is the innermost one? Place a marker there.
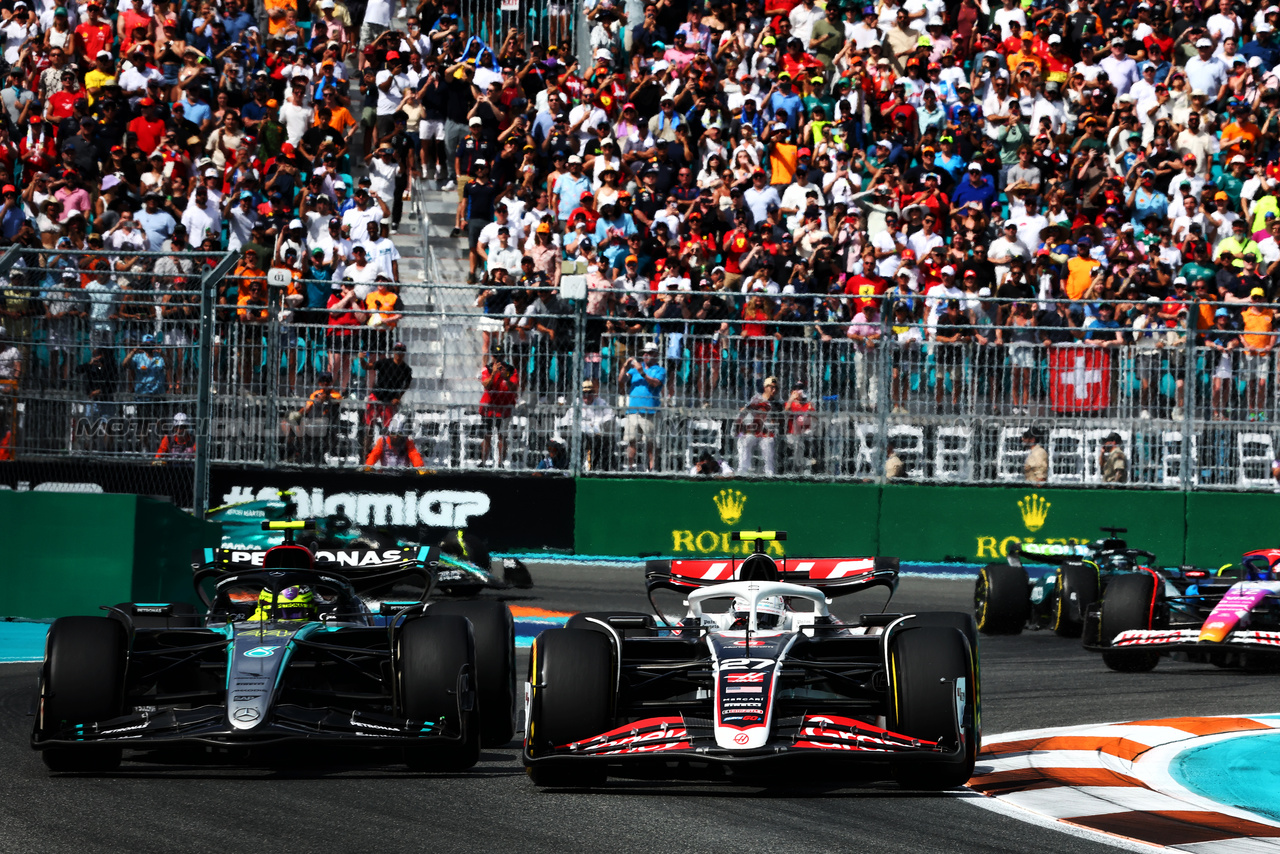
(1145, 87)
(888, 244)
(802, 17)
(384, 170)
(1206, 72)
(935, 299)
(382, 252)
(1190, 213)
(361, 271)
(1005, 248)
(865, 33)
(1223, 27)
(1029, 225)
(295, 116)
(1120, 67)
(1011, 11)
(922, 242)
(501, 255)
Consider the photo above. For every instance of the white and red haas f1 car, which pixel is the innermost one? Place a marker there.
(1229, 617)
(769, 677)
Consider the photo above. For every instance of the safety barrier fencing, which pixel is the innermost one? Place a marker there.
(100, 363)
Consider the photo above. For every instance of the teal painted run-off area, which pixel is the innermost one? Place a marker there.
(22, 640)
(1242, 772)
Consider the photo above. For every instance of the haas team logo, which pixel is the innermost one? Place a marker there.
(746, 677)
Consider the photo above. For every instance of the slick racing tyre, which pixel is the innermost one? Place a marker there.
(572, 671)
(966, 625)
(84, 667)
(1001, 599)
(431, 653)
(1127, 604)
(926, 663)
(495, 640)
(1077, 589)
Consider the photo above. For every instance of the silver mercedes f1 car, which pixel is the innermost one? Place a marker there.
(291, 650)
(767, 677)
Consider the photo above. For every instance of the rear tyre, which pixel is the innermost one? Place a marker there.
(572, 671)
(1128, 604)
(1077, 589)
(1001, 599)
(926, 663)
(432, 652)
(495, 640)
(83, 683)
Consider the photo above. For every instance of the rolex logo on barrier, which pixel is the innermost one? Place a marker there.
(730, 503)
(1034, 510)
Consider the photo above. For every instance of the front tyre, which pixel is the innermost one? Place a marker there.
(83, 683)
(436, 662)
(932, 682)
(495, 641)
(1128, 604)
(572, 674)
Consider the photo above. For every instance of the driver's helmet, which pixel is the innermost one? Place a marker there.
(292, 603)
(769, 613)
(1258, 569)
(1120, 562)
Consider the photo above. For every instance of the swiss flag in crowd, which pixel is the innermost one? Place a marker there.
(1078, 379)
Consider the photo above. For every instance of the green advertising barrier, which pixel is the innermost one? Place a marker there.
(915, 523)
(71, 553)
(980, 525)
(695, 518)
(1221, 526)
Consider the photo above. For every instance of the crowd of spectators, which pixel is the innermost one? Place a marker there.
(751, 186)
(746, 186)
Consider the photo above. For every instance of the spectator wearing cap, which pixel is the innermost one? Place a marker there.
(1122, 70)
(974, 187)
(1238, 244)
(477, 211)
(1206, 72)
(157, 222)
(1257, 343)
(644, 379)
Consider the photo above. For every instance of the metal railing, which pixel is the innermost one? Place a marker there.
(857, 398)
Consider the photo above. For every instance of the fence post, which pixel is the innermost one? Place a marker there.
(885, 368)
(579, 355)
(1188, 396)
(204, 384)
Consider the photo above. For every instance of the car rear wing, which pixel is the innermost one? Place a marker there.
(835, 576)
(371, 572)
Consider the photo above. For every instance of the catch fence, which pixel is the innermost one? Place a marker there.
(100, 364)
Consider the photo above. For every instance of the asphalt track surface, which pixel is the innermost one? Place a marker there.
(339, 805)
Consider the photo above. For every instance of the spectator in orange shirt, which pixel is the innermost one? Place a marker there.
(395, 450)
(1241, 135)
(1257, 342)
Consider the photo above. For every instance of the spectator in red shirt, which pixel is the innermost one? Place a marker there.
(62, 104)
(92, 36)
(500, 384)
(148, 127)
(736, 244)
